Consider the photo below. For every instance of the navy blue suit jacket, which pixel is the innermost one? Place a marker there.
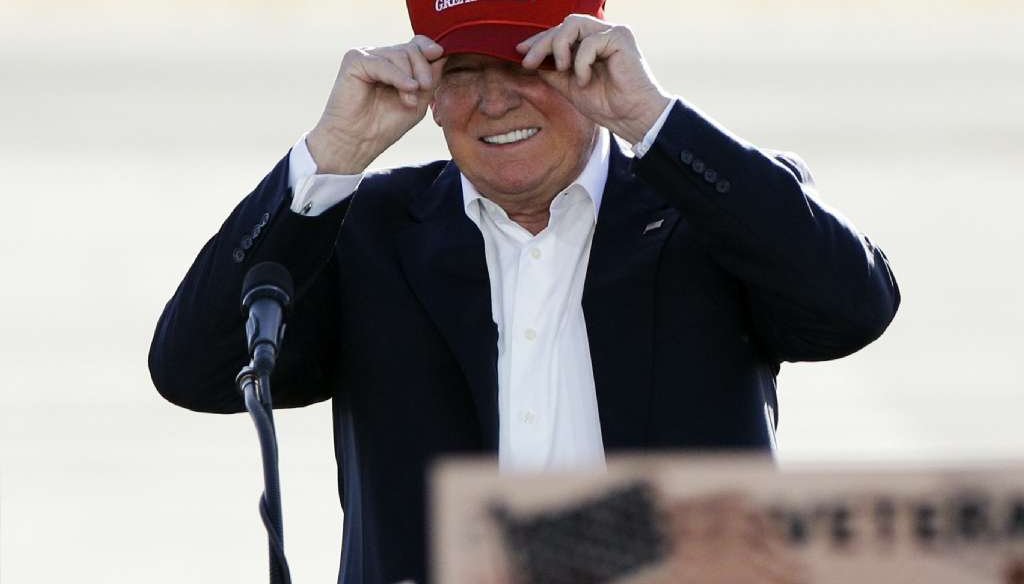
(688, 320)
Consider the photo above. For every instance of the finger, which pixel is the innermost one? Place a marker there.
(412, 99)
(420, 66)
(562, 43)
(430, 49)
(592, 47)
(559, 80)
(377, 69)
(400, 58)
(420, 99)
(539, 50)
(525, 45)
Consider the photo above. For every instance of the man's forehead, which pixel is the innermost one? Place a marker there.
(477, 60)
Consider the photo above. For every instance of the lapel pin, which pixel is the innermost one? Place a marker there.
(653, 225)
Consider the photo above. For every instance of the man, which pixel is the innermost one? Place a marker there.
(542, 296)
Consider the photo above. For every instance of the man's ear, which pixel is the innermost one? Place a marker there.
(438, 118)
(437, 69)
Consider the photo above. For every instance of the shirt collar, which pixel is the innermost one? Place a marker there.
(592, 179)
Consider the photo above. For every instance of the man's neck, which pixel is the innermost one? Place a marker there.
(532, 222)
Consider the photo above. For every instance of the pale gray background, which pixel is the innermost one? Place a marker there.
(128, 130)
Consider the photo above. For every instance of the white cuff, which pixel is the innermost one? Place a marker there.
(313, 193)
(641, 147)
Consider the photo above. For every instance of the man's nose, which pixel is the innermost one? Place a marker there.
(498, 94)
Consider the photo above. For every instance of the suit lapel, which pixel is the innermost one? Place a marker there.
(442, 255)
(618, 301)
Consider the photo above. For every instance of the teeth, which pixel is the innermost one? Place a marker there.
(511, 137)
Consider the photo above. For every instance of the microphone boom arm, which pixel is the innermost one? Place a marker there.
(266, 293)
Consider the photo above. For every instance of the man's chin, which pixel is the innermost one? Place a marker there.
(507, 187)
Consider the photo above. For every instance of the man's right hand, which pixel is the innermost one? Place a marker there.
(378, 96)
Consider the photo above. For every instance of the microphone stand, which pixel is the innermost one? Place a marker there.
(255, 387)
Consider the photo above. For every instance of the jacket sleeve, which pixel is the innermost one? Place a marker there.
(816, 287)
(199, 344)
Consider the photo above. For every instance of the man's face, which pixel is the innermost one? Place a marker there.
(511, 134)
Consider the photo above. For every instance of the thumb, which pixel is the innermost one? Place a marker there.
(559, 80)
(436, 67)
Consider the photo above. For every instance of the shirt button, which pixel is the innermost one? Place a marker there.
(528, 417)
(535, 253)
(530, 334)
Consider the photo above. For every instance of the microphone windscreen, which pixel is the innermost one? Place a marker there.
(268, 274)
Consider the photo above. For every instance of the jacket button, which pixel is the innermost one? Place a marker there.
(264, 219)
(686, 156)
(710, 175)
(256, 231)
(698, 166)
(246, 242)
(723, 186)
(238, 255)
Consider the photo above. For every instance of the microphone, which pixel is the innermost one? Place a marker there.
(266, 293)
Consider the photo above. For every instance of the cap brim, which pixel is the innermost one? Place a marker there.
(487, 38)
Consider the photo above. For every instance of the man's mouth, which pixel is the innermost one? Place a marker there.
(511, 137)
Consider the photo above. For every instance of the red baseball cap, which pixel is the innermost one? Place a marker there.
(492, 27)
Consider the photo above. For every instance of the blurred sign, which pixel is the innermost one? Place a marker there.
(650, 520)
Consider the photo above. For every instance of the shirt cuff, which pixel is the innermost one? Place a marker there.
(313, 193)
(641, 147)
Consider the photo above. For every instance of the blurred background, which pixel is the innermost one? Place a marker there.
(129, 130)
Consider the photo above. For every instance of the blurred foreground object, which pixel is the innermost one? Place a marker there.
(739, 520)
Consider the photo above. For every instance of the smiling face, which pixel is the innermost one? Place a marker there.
(512, 135)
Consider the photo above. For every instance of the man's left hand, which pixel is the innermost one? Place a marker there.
(599, 69)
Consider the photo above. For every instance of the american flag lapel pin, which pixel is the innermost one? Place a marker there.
(653, 225)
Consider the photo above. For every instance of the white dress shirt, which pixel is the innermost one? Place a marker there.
(547, 405)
